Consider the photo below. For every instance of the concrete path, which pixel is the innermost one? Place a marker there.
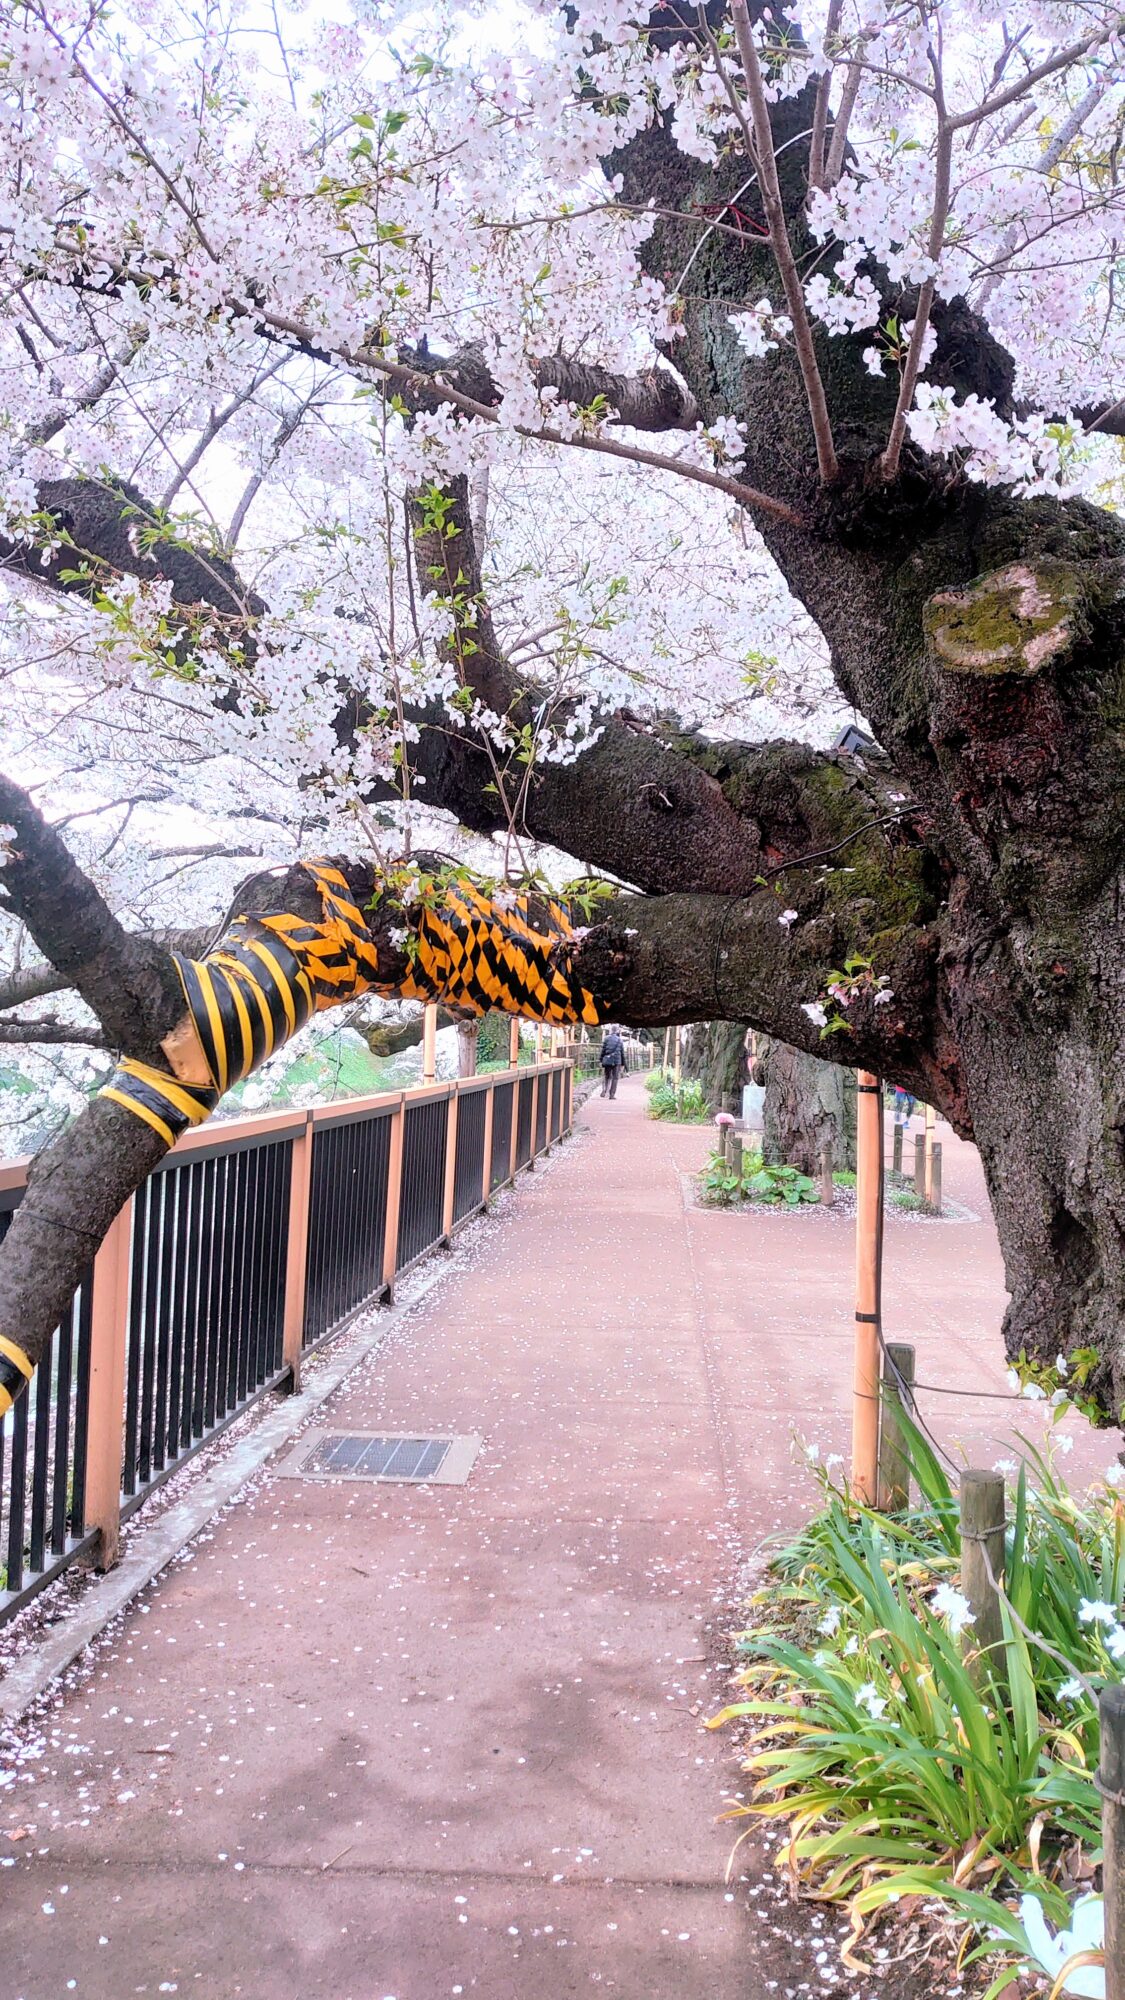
(363, 1742)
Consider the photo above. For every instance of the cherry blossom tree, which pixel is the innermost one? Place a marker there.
(403, 432)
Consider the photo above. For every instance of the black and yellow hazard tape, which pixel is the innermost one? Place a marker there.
(16, 1370)
(268, 975)
(477, 956)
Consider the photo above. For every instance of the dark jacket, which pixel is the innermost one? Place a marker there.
(612, 1053)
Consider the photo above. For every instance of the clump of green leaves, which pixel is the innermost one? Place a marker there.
(683, 1103)
(903, 1760)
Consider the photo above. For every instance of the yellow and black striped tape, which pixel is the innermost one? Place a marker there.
(478, 956)
(268, 975)
(16, 1370)
(263, 980)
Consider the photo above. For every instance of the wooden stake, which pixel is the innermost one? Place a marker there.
(827, 1184)
(920, 1165)
(982, 1551)
(928, 1189)
(898, 1396)
(676, 1077)
(667, 1048)
(1111, 1784)
(935, 1179)
(429, 1044)
(105, 1416)
(868, 1286)
(896, 1155)
(296, 1252)
(513, 1043)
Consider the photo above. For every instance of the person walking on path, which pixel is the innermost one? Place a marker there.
(612, 1059)
(904, 1106)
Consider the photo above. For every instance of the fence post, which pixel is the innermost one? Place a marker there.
(450, 1165)
(1111, 1784)
(827, 1184)
(929, 1130)
(513, 1043)
(296, 1252)
(896, 1155)
(736, 1159)
(105, 1419)
(982, 1549)
(898, 1398)
(535, 1082)
(429, 1043)
(920, 1165)
(550, 1082)
(868, 1286)
(486, 1178)
(935, 1180)
(394, 1198)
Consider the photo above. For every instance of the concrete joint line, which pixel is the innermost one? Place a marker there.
(33, 1671)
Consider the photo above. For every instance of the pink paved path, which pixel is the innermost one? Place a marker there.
(367, 1742)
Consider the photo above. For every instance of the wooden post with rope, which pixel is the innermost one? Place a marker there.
(868, 1287)
(1111, 1785)
(898, 1400)
(513, 1043)
(429, 1044)
(982, 1567)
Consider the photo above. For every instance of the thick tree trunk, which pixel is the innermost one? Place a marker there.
(809, 1105)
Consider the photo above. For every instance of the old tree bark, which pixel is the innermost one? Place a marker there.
(979, 870)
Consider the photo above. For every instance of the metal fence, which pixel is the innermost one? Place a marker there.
(251, 1243)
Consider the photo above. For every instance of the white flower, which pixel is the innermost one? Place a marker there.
(830, 1623)
(1013, 1382)
(873, 360)
(1032, 1393)
(1095, 1611)
(815, 1012)
(1071, 1691)
(1006, 1466)
(1086, 1933)
(1064, 1443)
(1061, 1367)
(786, 918)
(852, 1647)
(1114, 1474)
(1115, 1642)
(883, 996)
(949, 1604)
(868, 1697)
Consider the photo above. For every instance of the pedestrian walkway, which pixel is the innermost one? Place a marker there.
(370, 1741)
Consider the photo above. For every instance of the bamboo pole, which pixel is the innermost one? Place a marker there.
(868, 1286)
(667, 1049)
(429, 1044)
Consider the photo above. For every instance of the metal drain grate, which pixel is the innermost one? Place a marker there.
(395, 1458)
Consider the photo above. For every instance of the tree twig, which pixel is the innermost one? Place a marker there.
(827, 462)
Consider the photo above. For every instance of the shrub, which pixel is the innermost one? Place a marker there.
(686, 1104)
(904, 1764)
(778, 1185)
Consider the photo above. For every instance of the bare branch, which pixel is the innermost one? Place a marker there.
(823, 93)
(219, 421)
(912, 367)
(103, 381)
(782, 248)
(1061, 60)
(48, 1028)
